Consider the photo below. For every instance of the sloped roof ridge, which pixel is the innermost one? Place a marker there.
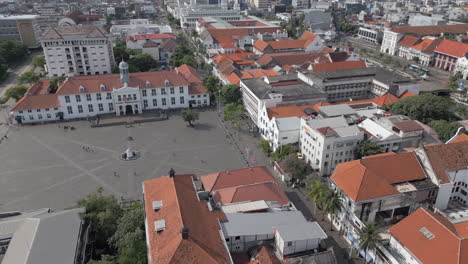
(361, 179)
(180, 214)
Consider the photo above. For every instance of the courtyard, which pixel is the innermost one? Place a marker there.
(48, 166)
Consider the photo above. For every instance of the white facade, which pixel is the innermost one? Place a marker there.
(78, 54)
(325, 152)
(121, 101)
(138, 26)
(462, 67)
(390, 42)
(370, 35)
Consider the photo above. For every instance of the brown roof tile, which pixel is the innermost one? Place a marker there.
(59, 32)
(408, 41)
(181, 208)
(447, 157)
(455, 245)
(335, 66)
(432, 30)
(374, 176)
(267, 191)
(408, 126)
(233, 178)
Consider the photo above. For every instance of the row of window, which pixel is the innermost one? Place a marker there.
(38, 110)
(88, 97)
(90, 108)
(144, 93)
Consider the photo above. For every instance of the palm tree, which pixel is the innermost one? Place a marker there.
(333, 205)
(317, 192)
(368, 237)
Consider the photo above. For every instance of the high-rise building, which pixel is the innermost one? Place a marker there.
(79, 50)
(22, 28)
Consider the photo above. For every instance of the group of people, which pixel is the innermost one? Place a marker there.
(88, 149)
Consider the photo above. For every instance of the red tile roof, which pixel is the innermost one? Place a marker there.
(267, 191)
(452, 48)
(375, 176)
(408, 41)
(433, 30)
(452, 245)
(423, 44)
(327, 131)
(233, 178)
(302, 42)
(408, 126)
(44, 101)
(447, 157)
(151, 36)
(460, 138)
(92, 83)
(266, 255)
(190, 74)
(181, 208)
(342, 65)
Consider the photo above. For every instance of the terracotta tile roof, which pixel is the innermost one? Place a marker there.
(432, 30)
(233, 78)
(267, 191)
(460, 138)
(44, 101)
(288, 58)
(228, 32)
(168, 45)
(59, 32)
(452, 48)
(266, 255)
(338, 56)
(150, 44)
(427, 46)
(181, 208)
(335, 66)
(374, 176)
(408, 41)
(229, 179)
(92, 83)
(304, 41)
(408, 126)
(453, 245)
(190, 74)
(327, 131)
(447, 157)
(154, 36)
(260, 44)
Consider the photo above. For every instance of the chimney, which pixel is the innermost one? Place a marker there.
(184, 231)
(171, 173)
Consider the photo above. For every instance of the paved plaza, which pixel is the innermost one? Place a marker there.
(46, 166)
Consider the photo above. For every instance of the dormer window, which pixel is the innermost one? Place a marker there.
(167, 82)
(148, 83)
(82, 89)
(159, 225)
(157, 205)
(102, 87)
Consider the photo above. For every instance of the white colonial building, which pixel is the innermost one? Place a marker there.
(77, 50)
(122, 94)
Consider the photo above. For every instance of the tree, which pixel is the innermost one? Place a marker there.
(189, 116)
(317, 192)
(16, 92)
(445, 129)
(105, 259)
(102, 213)
(265, 146)
(425, 107)
(212, 84)
(333, 205)
(12, 51)
(233, 113)
(232, 94)
(121, 52)
(38, 62)
(28, 77)
(283, 151)
(367, 148)
(142, 63)
(298, 168)
(53, 85)
(129, 238)
(368, 237)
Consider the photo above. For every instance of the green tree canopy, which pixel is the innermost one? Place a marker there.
(212, 84)
(142, 63)
(298, 167)
(121, 52)
(38, 62)
(15, 92)
(12, 51)
(129, 238)
(190, 116)
(367, 148)
(28, 77)
(105, 259)
(53, 85)
(102, 213)
(232, 94)
(333, 205)
(425, 107)
(265, 146)
(183, 54)
(368, 237)
(445, 129)
(283, 151)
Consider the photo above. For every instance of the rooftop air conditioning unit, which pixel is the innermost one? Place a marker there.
(157, 205)
(159, 225)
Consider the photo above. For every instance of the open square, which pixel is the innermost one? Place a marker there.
(46, 166)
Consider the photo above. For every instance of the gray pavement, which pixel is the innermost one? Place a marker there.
(44, 166)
